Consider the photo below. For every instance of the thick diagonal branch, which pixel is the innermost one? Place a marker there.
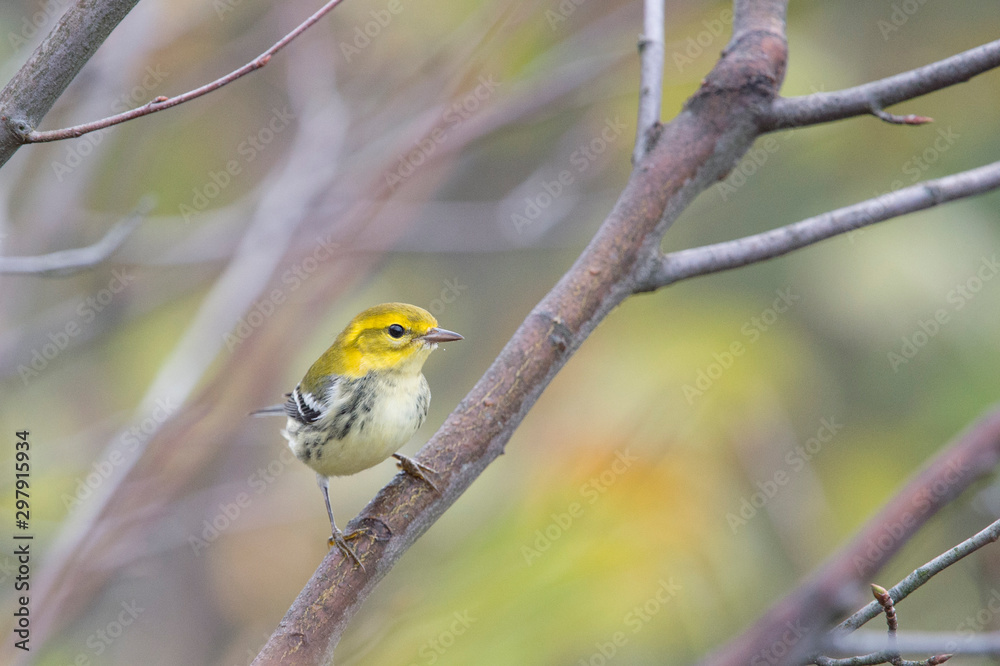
(696, 149)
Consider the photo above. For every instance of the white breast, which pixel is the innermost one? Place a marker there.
(397, 409)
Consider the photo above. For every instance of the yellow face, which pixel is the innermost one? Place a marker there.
(389, 337)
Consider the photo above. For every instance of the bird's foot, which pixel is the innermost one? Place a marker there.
(415, 468)
(339, 539)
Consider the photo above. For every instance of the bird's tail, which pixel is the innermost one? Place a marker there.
(273, 410)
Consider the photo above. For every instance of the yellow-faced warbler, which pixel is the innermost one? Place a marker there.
(363, 398)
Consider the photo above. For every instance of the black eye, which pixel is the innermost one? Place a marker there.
(396, 331)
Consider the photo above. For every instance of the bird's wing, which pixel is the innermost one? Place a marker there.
(303, 406)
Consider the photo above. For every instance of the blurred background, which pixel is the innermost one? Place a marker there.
(708, 446)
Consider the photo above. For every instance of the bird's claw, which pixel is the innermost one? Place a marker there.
(415, 468)
(339, 539)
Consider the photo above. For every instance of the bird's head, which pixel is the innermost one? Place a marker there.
(392, 337)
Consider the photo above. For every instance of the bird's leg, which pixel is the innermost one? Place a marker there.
(337, 537)
(415, 468)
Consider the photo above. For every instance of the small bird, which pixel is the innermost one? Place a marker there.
(363, 399)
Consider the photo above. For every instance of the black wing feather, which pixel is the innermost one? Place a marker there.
(297, 408)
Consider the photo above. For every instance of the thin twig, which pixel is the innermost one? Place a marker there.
(879, 658)
(650, 75)
(885, 601)
(871, 98)
(863, 660)
(895, 119)
(917, 641)
(161, 103)
(923, 574)
(777, 242)
(68, 262)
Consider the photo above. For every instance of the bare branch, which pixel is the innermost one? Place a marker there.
(727, 255)
(824, 595)
(68, 262)
(884, 599)
(160, 103)
(923, 574)
(894, 119)
(864, 660)
(918, 641)
(650, 75)
(28, 96)
(884, 657)
(875, 96)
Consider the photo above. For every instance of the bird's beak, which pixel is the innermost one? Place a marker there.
(436, 335)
